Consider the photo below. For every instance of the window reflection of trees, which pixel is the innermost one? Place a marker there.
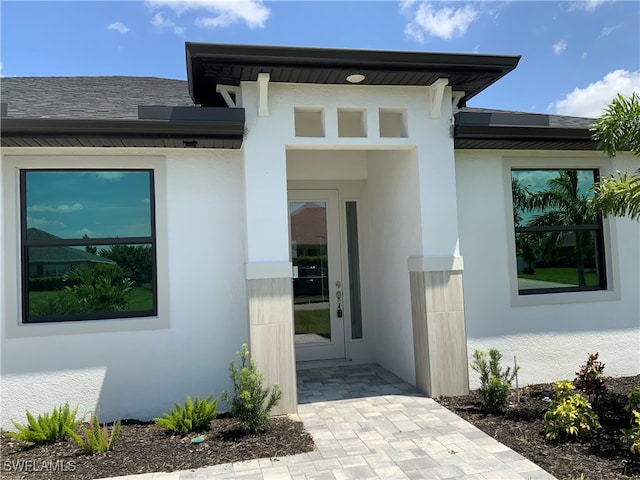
(557, 230)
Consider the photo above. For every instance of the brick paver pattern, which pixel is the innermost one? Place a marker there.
(369, 424)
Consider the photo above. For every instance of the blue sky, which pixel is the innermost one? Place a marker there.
(101, 204)
(575, 55)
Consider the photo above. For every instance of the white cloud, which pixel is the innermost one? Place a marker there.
(584, 55)
(444, 23)
(252, 12)
(118, 27)
(146, 200)
(592, 99)
(113, 176)
(606, 31)
(559, 47)
(586, 5)
(64, 208)
(161, 23)
(44, 222)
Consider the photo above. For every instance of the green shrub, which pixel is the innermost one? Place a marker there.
(634, 401)
(96, 438)
(193, 416)
(48, 427)
(251, 402)
(590, 379)
(569, 414)
(494, 383)
(631, 435)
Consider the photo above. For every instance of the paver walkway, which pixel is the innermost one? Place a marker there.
(369, 424)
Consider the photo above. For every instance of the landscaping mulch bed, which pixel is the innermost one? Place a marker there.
(144, 447)
(605, 456)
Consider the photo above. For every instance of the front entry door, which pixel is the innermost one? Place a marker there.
(318, 304)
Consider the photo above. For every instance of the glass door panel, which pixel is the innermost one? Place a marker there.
(310, 272)
(317, 292)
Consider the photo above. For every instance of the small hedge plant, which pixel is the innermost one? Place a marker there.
(47, 427)
(590, 379)
(494, 382)
(193, 416)
(96, 438)
(569, 415)
(634, 400)
(250, 402)
(631, 435)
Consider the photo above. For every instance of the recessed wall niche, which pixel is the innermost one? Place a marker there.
(393, 122)
(309, 121)
(352, 122)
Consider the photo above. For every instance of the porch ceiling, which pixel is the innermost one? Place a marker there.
(209, 65)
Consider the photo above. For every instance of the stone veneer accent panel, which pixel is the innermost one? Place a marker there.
(271, 336)
(439, 334)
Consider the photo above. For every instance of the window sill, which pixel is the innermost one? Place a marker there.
(518, 300)
(114, 325)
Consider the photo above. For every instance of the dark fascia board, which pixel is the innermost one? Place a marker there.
(335, 57)
(521, 132)
(208, 115)
(202, 81)
(515, 130)
(139, 130)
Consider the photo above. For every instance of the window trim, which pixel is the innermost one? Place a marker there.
(10, 294)
(536, 161)
(26, 244)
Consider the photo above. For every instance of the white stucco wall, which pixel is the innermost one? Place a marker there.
(394, 235)
(552, 336)
(113, 367)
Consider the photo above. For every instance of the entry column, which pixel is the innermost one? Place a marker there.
(437, 306)
(268, 269)
(439, 334)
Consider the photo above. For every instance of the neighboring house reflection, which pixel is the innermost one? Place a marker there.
(53, 261)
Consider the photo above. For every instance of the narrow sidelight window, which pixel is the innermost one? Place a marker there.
(354, 270)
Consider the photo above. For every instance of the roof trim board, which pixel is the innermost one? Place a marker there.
(64, 132)
(209, 65)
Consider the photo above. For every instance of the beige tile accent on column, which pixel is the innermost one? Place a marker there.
(439, 334)
(271, 336)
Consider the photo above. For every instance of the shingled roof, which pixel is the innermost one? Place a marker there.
(103, 112)
(89, 97)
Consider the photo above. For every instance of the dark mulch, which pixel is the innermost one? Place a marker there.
(144, 447)
(520, 428)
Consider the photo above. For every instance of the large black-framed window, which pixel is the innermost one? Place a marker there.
(558, 237)
(88, 244)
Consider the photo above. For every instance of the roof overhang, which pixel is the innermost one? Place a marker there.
(511, 130)
(210, 65)
(225, 131)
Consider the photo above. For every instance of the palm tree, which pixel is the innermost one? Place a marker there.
(562, 204)
(528, 245)
(618, 128)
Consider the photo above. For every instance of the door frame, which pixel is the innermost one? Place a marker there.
(336, 347)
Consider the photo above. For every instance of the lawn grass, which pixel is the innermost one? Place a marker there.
(313, 321)
(568, 276)
(301, 299)
(141, 298)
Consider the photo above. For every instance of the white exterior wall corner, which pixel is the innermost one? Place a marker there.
(551, 339)
(116, 368)
(394, 235)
